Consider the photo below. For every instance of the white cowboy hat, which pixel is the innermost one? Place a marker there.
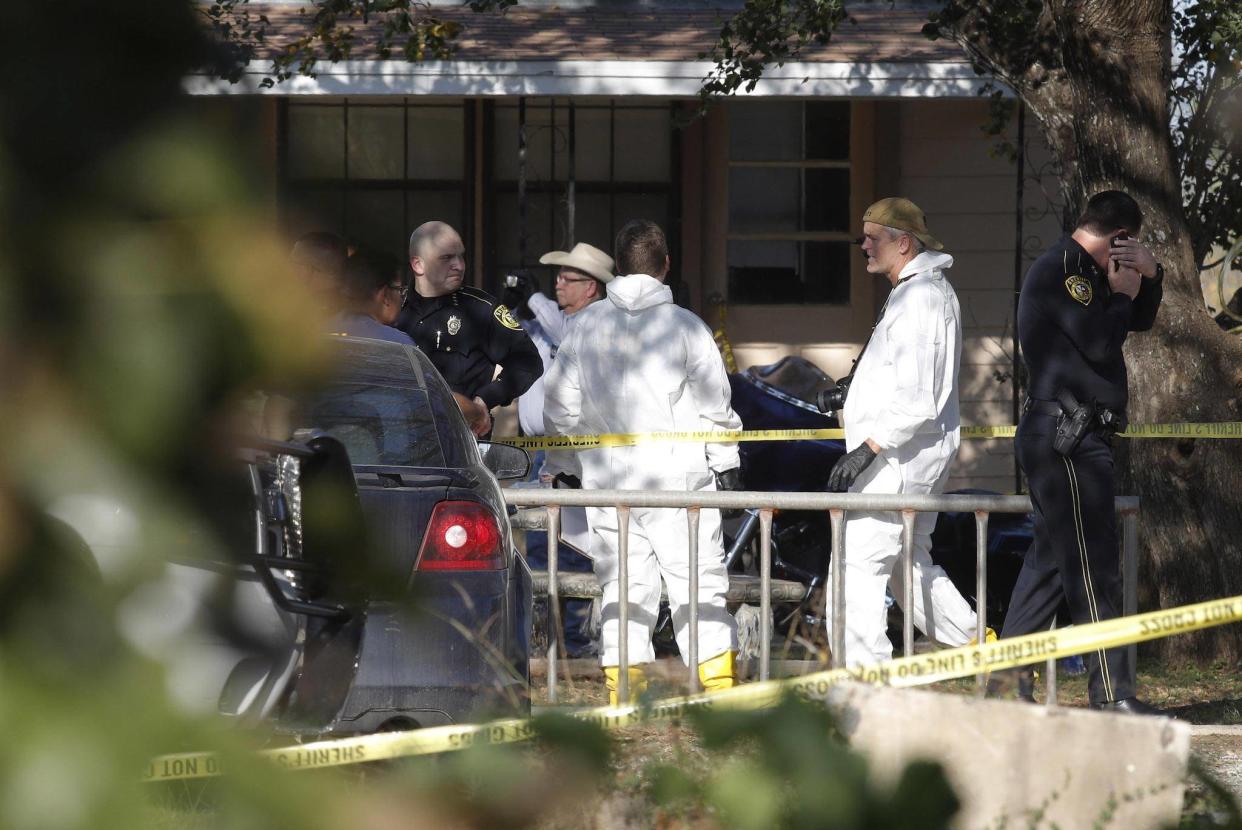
(586, 258)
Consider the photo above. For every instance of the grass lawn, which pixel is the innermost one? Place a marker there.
(1198, 695)
(1202, 695)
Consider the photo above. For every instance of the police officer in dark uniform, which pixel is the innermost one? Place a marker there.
(464, 331)
(1078, 303)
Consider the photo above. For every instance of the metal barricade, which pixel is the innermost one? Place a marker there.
(837, 505)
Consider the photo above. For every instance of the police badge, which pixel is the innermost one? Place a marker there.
(454, 324)
(506, 318)
(1079, 288)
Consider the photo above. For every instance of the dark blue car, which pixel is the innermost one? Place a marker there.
(437, 601)
(358, 574)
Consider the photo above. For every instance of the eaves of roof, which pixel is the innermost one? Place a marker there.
(656, 50)
(879, 34)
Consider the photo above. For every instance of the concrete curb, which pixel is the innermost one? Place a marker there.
(1009, 761)
(1197, 729)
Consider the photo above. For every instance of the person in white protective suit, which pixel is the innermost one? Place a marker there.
(637, 363)
(902, 430)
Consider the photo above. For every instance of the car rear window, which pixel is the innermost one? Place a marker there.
(382, 361)
(376, 405)
(458, 443)
(384, 401)
(379, 424)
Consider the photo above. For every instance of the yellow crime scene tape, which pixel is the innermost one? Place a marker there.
(918, 670)
(1225, 429)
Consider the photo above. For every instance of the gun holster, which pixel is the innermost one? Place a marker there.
(1073, 424)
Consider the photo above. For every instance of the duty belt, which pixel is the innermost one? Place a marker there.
(1106, 420)
(1041, 407)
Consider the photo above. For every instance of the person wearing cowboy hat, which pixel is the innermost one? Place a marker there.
(902, 430)
(582, 275)
(581, 279)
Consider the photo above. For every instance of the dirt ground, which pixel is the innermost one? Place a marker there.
(1221, 755)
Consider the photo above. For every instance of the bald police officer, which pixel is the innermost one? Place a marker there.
(464, 331)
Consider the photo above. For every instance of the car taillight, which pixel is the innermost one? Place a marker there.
(461, 536)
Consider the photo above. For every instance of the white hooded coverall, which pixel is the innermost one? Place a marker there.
(904, 398)
(636, 362)
(546, 331)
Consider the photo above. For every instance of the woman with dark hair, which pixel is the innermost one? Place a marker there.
(375, 286)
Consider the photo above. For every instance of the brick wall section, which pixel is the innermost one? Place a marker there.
(872, 35)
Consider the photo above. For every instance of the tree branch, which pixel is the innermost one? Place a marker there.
(763, 33)
(404, 26)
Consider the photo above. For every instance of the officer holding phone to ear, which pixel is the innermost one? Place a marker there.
(1078, 303)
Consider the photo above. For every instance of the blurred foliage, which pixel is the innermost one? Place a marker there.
(145, 291)
(142, 289)
(780, 768)
(788, 767)
(1210, 804)
(511, 786)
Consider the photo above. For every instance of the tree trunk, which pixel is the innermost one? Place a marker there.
(1105, 115)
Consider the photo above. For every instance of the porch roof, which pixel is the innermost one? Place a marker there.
(880, 51)
(877, 34)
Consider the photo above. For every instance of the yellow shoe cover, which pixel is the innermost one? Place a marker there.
(719, 672)
(612, 677)
(989, 636)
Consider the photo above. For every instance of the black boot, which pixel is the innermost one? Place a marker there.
(1026, 685)
(1130, 706)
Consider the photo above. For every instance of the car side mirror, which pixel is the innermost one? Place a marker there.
(505, 461)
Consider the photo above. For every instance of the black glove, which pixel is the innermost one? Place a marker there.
(565, 481)
(849, 467)
(729, 479)
(519, 286)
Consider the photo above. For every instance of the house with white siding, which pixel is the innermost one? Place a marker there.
(554, 124)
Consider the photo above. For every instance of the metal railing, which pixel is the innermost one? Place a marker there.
(836, 505)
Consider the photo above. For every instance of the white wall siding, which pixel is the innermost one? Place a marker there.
(948, 166)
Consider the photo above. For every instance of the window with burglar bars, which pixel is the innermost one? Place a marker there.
(621, 166)
(374, 170)
(789, 202)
